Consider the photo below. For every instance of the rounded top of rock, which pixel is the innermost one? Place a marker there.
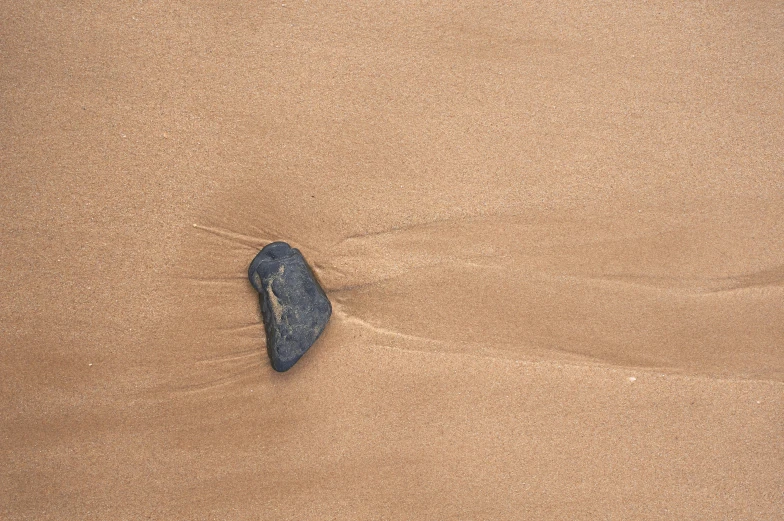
(274, 251)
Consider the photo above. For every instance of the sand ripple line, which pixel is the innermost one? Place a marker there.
(387, 332)
(232, 236)
(221, 360)
(242, 375)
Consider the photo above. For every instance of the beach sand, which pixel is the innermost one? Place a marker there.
(551, 234)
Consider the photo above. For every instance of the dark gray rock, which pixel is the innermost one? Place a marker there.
(294, 307)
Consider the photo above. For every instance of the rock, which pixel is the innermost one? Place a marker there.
(294, 307)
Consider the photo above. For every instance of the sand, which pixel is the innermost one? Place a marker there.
(551, 233)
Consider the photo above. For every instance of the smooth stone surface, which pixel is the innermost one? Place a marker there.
(294, 307)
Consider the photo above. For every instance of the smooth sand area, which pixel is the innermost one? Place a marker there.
(552, 234)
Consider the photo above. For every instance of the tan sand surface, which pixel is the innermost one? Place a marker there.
(552, 233)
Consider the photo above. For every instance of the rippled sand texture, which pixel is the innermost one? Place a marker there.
(552, 236)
